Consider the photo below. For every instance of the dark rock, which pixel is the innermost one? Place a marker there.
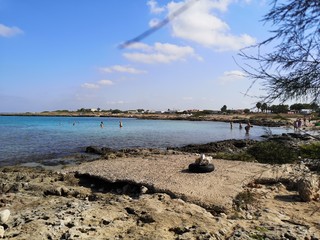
(98, 150)
(232, 145)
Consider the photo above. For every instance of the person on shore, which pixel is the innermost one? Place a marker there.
(101, 124)
(295, 125)
(299, 123)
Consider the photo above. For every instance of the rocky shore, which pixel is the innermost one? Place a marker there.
(149, 194)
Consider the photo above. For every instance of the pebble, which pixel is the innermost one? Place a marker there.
(143, 190)
(4, 216)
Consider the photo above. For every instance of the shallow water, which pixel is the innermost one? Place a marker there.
(27, 139)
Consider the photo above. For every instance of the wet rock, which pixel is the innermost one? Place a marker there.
(98, 150)
(4, 216)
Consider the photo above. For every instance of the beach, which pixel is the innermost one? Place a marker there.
(149, 194)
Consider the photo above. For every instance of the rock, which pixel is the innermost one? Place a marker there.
(1, 232)
(143, 190)
(4, 216)
(97, 150)
(308, 188)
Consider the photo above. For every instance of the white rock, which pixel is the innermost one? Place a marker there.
(1, 232)
(143, 189)
(4, 216)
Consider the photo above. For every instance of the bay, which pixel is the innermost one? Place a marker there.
(28, 139)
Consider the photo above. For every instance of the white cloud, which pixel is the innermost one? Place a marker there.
(154, 8)
(161, 53)
(122, 69)
(9, 31)
(97, 85)
(105, 82)
(198, 24)
(90, 86)
(231, 76)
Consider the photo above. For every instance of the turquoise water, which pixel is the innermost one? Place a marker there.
(25, 139)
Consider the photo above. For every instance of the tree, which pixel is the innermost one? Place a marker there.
(279, 108)
(224, 108)
(258, 105)
(264, 107)
(292, 69)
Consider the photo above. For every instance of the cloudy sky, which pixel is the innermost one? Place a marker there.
(72, 54)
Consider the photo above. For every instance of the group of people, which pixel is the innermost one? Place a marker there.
(247, 127)
(297, 124)
(102, 124)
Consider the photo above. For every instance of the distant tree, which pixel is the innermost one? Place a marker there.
(116, 111)
(314, 106)
(291, 70)
(264, 107)
(297, 107)
(258, 105)
(224, 108)
(279, 108)
(246, 111)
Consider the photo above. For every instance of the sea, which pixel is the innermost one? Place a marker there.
(26, 139)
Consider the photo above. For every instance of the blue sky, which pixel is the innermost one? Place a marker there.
(65, 54)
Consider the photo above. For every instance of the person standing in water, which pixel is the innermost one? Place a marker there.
(120, 124)
(247, 128)
(101, 125)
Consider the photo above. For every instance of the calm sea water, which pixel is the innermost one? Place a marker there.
(26, 139)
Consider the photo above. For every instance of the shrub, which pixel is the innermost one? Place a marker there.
(273, 153)
(310, 150)
(243, 200)
(242, 156)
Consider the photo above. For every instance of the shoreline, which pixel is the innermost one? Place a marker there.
(149, 193)
(255, 119)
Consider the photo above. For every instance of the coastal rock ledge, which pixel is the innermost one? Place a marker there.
(155, 197)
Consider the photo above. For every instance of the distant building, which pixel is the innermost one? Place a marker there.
(306, 111)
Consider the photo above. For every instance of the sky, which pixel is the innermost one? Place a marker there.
(57, 55)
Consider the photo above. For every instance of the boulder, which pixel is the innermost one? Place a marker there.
(4, 216)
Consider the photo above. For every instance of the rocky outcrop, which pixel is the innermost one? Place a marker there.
(230, 146)
(90, 208)
(309, 188)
